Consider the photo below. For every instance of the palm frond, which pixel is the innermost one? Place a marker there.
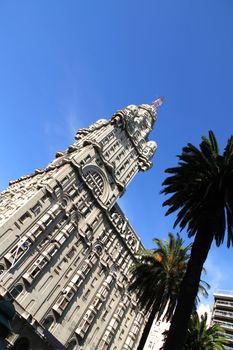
(200, 189)
(156, 278)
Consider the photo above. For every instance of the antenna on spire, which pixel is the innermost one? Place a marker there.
(157, 103)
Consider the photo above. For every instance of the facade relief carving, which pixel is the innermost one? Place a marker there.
(93, 127)
(138, 121)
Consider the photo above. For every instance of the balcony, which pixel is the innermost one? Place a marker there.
(224, 314)
(226, 325)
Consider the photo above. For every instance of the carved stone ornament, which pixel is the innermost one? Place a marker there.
(138, 121)
(95, 126)
(147, 154)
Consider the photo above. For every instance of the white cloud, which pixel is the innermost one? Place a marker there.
(72, 123)
(205, 308)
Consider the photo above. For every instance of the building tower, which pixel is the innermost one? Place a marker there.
(223, 314)
(66, 246)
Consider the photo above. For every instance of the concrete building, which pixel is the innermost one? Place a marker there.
(223, 314)
(66, 246)
(155, 338)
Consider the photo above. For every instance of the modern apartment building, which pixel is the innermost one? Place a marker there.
(223, 314)
(66, 246)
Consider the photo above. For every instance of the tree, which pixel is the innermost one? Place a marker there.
(156, 279)
(201, 190)
(201, 336)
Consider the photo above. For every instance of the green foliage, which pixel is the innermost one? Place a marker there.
(203, 337)
(157, 276)
(201, 189)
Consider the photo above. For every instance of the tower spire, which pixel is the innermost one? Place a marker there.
(157, 103)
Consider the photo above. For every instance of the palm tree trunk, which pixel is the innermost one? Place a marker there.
(148, 326)
(188, 292)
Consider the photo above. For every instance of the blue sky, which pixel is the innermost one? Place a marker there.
(65, 64)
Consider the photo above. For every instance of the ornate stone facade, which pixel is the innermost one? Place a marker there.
(66, 247)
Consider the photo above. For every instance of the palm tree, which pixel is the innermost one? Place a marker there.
(201, 189)
(156, 279)
(201, 336)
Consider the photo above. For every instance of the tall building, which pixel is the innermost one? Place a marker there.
(155, 339)
(223, 314)
(66, 246)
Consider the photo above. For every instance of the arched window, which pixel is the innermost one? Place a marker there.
(72, 345)
(16, 290)
(98, 248)
(97, 181)
(47, 323)
(21, 344)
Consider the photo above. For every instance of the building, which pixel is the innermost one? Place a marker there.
(66, 246)
(223, 314)
(155, 338)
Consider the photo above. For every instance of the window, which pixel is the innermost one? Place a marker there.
(83, 207)
(69, 272)
(95, 181)
(107, 337)
(98, 249)
(127, 322)
(111, 303)
(72, 345)
(71, 192)
(85, 267)
(55, 209)
(47, 323)
(122, 333)
(64, 180)
(62, 264)
(44, 198)
(36, 209)
(104, 314)
(97, 303)
(93, 283)
(102, 270)
(139, 317)
(129, 342)
(103, 292)
(60, 238)
(71, 253)
(113, 323)
(35, 231)
(87, 319)
(37, 266)
(76, 261)
(135, 329)
(102, 345)
(87, 293)
(52, 250)
(15, 291)
(120, 312)
(114, 268)
(62, 302)
(46, 219)
(77, 279)
(24, 217)
(109, 279)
